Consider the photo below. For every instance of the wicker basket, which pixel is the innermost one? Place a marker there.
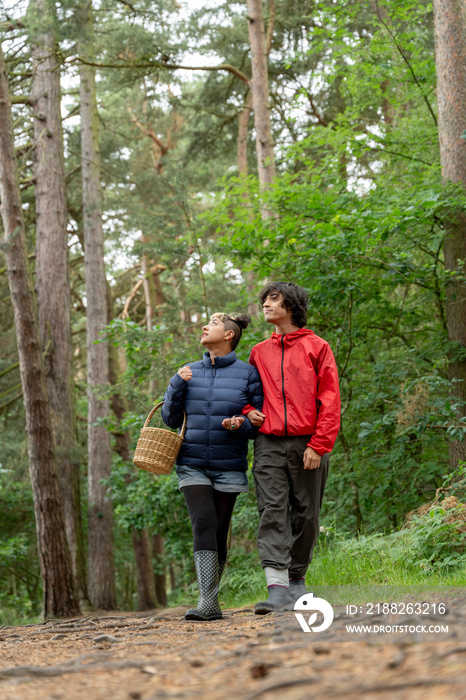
(157, 449)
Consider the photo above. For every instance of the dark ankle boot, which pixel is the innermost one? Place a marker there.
(279, 599)
(297, 588)
(207, 570)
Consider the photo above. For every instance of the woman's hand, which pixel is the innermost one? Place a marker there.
(233, 423)
(256, 418)
(185, 373)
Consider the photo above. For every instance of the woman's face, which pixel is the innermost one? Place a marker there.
(213, 333)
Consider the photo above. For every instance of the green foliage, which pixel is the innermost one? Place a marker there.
(373, 270)
(383, 560)
(439, 539)
(20, 588)
(456, 481)
(358, 220)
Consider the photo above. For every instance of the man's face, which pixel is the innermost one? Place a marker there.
(274, 310)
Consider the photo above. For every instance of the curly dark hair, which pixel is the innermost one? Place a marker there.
(295, 299)
(234, 323)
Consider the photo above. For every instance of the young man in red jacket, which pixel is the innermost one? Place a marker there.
(299, 424)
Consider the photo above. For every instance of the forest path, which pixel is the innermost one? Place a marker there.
(160, 655)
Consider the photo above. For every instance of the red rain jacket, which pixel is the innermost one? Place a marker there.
(301, 393)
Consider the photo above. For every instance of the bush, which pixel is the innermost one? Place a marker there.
(438, 537)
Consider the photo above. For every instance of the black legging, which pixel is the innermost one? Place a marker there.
(210, 513)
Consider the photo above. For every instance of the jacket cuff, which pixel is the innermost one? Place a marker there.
(317, 448)
(245, 428)
(247, 409)
(178, 382)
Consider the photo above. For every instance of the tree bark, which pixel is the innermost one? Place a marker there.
(101, 564)
(141, 543)
(151, 293)
(242, 143)
(60, 597)
(161, 575)
(150, 298)
(260, 94)
(52, 278)
(145, 577)
(242, 156)
(450, 50)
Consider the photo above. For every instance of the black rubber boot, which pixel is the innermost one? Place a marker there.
(297, 588)
(279, 599)
(207, 570)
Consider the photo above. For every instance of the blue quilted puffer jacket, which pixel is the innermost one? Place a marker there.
(215, 391)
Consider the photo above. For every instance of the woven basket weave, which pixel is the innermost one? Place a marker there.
(157, 449)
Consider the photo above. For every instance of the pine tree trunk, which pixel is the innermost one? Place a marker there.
(242, 142)
(450, 48)
(242, 156)
(60, 597)
(260, 94)
(173, 582)
(150, 299)
(52, 278)
(146, 579)
(101, 564)
(161, 575)
(141, 543)
(150, 295)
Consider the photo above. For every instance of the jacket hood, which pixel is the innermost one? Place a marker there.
(290, 338)
(219, 361)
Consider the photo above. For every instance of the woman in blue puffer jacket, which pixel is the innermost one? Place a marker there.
(212, 462)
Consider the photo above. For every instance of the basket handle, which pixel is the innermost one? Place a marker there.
(149, 417)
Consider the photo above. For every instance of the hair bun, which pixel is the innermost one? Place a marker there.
(242, 320)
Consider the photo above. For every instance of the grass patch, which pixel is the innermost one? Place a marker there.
(379, 559)
(354, 570)
(15, 617)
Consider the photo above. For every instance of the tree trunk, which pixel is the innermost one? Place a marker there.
(146, 579)
(52, 278)
(160, 299)
(173, 581)
(161, 575)
(60, 597)
(150, 299)
(145, 572)
(260, 94)
(242, 143)
(150, 294)
(450, 49)
(101, 565)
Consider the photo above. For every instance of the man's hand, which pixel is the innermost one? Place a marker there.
(185, 373)
(256, 418)
(311, 458)
(233, 423)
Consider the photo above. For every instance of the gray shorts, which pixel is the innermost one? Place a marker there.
(228, 481)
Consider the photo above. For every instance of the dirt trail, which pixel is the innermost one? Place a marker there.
(160, 655)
